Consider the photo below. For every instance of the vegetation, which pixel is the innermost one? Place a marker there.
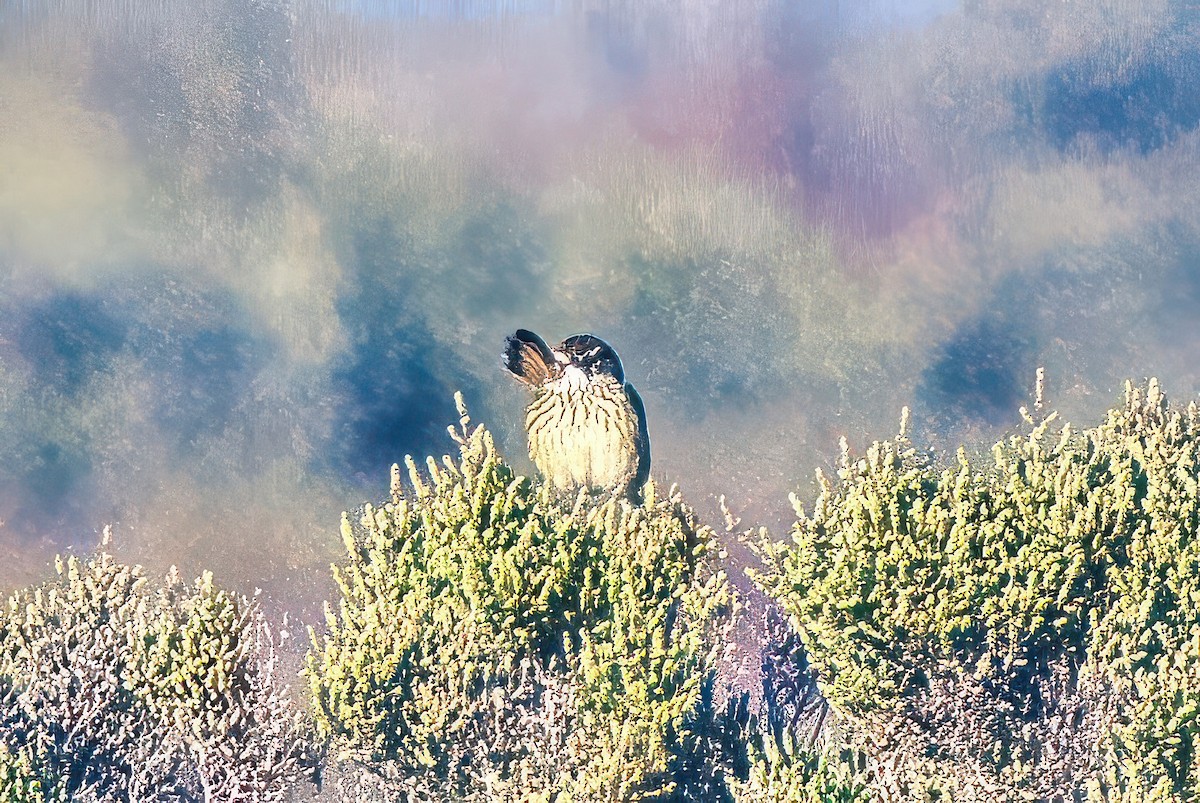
(495, 642)
(110, 690)
(1025, 628)
(1018, 629)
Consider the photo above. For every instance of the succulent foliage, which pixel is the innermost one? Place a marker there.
(494, 642)
(112, 690)
(19, 783)
(1015, 628)
(1027, 627)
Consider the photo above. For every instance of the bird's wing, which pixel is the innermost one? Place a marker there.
(643, 440)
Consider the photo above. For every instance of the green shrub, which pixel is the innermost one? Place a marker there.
(1025, 629)
(801, 777)
(113, 691)
(493, 642)
(18, 780)
(1028, 626)
(782, 736)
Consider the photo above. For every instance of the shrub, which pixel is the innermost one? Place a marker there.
(493, 642)
(782, 733)
(113, 691)
(800, 777)
(18, 781)
(1025, 628)
(1021, 629)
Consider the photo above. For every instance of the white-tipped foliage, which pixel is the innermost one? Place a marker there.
(490, 643)
(114, 691)
(1019, 630)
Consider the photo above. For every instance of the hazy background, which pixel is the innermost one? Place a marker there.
(249, 249)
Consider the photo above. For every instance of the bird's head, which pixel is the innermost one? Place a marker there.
(591, 355)
(573, 362)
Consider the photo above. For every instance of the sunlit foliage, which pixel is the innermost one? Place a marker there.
(18, 780)
(1019, 627)
(1026, 626)
(112, 690)
(492, 642)
(776, 776)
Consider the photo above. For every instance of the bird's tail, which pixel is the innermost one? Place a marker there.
(529, 358)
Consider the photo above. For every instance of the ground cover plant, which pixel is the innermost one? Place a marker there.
(112, 689)
(1013, 626)
(1019, 628)
(494, 641)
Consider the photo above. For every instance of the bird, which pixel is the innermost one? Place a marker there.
(586, 424)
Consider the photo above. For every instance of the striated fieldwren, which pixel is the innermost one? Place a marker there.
(586, 424)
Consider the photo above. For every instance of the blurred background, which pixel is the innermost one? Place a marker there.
(250, 248)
